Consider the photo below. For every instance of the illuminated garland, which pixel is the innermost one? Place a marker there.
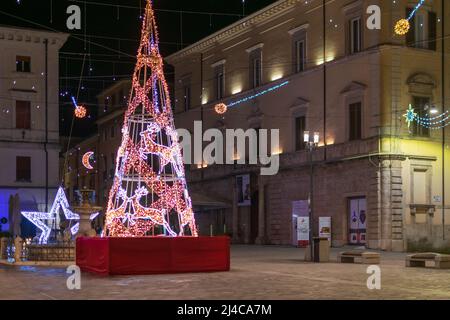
(252, 97)
(403, 25)
(149, 189)
(434, 123)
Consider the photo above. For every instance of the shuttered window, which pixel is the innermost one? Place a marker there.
(355, 132)
(23, 115)
(23, 169)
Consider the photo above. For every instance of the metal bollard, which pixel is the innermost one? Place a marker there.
(4, 248)
(18, 244)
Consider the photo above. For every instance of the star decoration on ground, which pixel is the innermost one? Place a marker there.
(38, 218)
(410, 116)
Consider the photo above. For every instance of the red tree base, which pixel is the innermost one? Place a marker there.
(152, 255)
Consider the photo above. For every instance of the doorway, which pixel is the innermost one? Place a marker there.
(357, 221)
(254, 217)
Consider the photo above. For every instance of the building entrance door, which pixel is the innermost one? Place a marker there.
(358, 221)
(254, 217)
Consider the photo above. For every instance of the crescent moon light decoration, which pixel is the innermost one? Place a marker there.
(86, 160)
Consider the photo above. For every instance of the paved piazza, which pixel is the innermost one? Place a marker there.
(257, 273)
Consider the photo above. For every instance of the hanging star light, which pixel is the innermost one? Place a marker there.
(80, 111)
(403, 26)
(410, 115)
(38, 218)
(221, 108)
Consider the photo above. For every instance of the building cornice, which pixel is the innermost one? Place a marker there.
(32, 36)
(237, 29)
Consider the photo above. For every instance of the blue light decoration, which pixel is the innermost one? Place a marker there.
(434, 123)
(263, 92)
(417, 7)
(74, 101)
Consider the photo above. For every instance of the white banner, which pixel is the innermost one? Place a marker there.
(303, 228)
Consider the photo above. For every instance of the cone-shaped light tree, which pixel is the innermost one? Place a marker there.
(149, 195)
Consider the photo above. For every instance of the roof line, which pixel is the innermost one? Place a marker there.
(223, 30)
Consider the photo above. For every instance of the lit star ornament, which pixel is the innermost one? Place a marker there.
(402, 27)
(80, 111)
(221, 108)
(37, 218)
(410, 116)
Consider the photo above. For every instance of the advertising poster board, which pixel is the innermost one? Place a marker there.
(303, 231)
(325, 228)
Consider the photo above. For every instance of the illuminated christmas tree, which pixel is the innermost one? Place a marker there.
(149, 195)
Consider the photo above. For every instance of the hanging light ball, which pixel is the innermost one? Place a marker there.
(402, 27)
(80, 112)
(221, 108)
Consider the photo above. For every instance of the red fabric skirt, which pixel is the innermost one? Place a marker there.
(152, 255)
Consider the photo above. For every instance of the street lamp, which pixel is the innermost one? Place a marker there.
(434, 110)
(311, 143)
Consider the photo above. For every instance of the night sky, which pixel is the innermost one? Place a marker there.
(110, 39)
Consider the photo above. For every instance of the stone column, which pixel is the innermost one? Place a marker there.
(398, 243)
(235, 237)
(391, 199)
(261, 239)
(374, 211)
(18, 245)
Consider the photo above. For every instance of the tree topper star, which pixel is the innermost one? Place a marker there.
(410, 115)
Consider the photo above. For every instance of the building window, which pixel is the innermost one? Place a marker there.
(105, 163)
(23, 64)
(423, 31)
(355, 121)
(256, 68)
(421, 107)
(23, 115)
(355, 35)
(219, 81)
(23, 169)
(300, 55)
(300, 128)
(187, 97)
(106, 107)
(113, 101)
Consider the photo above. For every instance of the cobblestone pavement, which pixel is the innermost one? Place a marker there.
(257, 273)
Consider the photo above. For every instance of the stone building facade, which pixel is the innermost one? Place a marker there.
(300, 66)
(29, 116)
